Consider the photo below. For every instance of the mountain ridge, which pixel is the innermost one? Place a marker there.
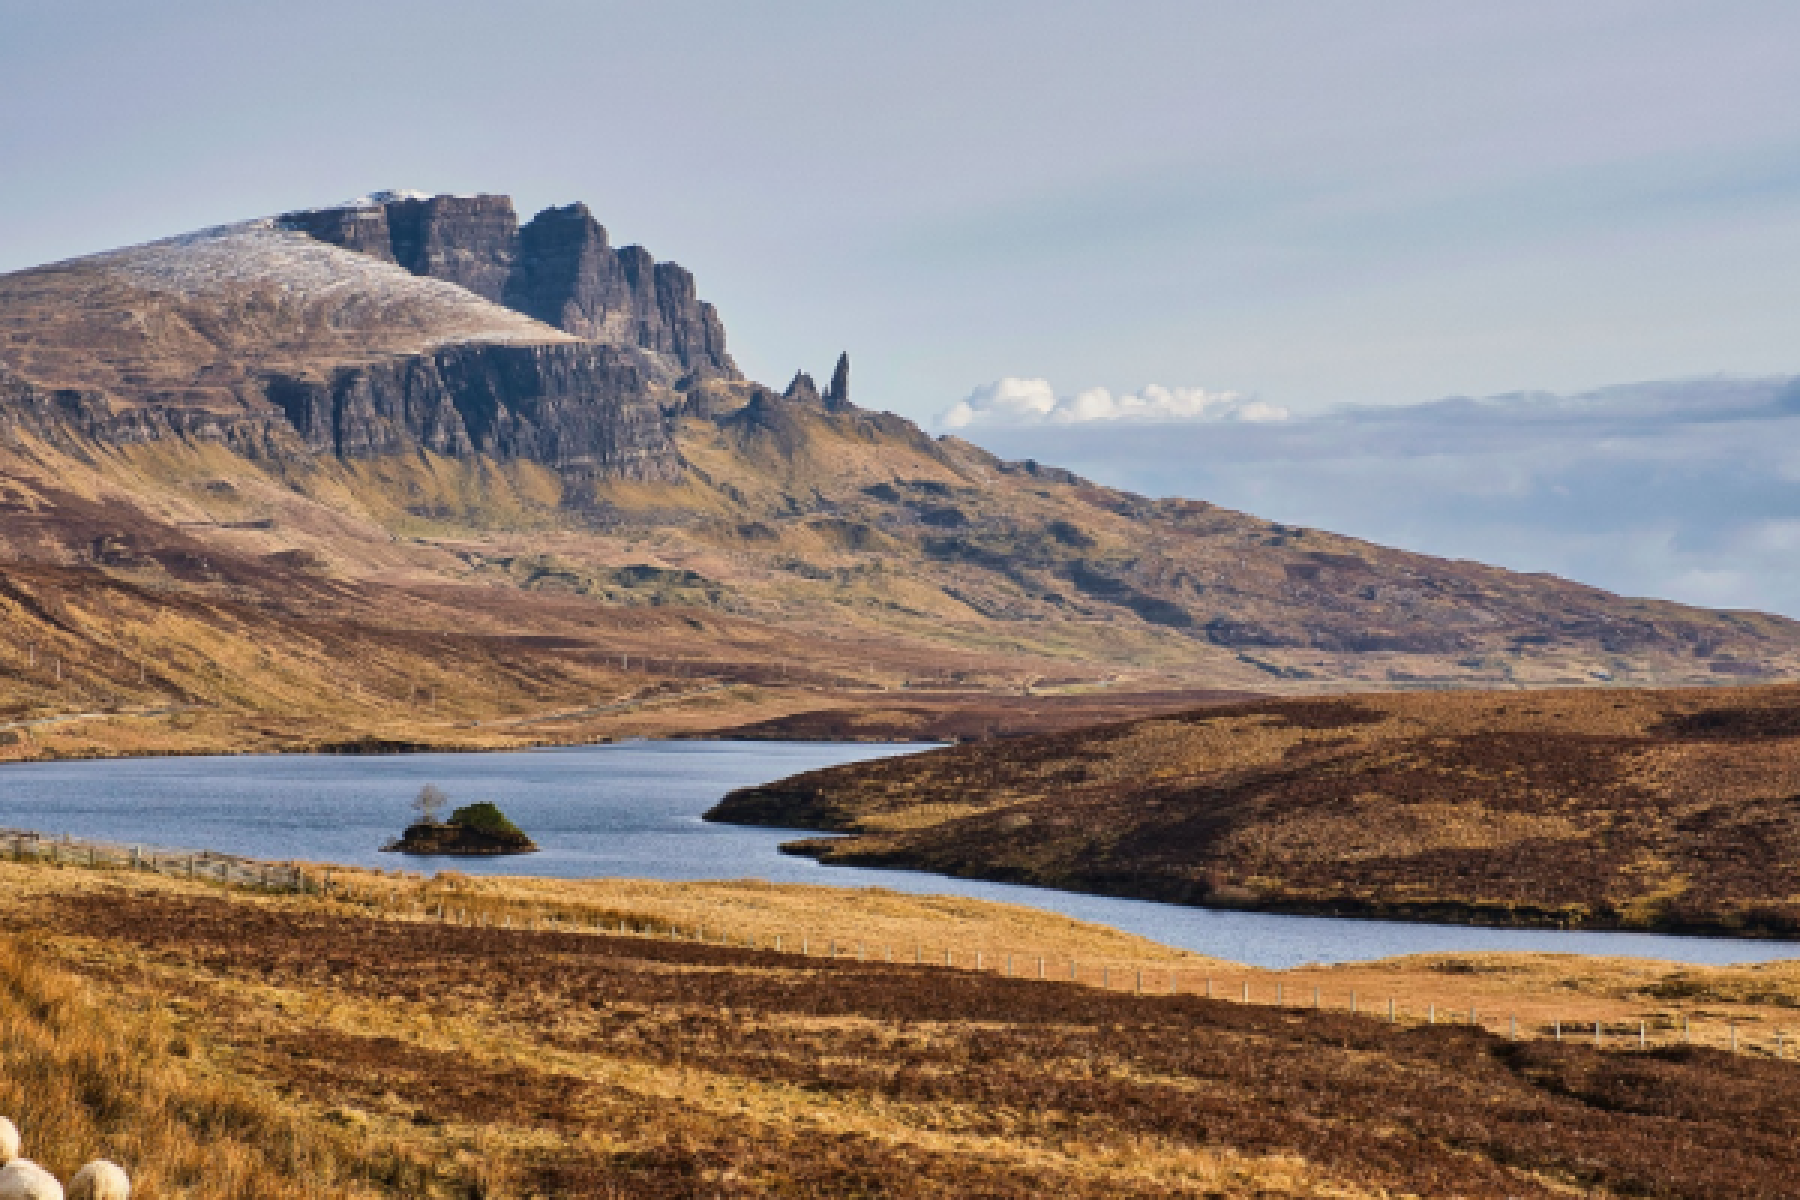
(332, 395)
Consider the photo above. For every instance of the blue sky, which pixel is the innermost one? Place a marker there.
(1299, 204)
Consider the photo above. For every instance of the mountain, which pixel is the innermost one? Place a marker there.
(414, 416)
(1618, 808)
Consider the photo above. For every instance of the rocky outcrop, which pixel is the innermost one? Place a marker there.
(364, 230)
(74, 419)
(559, 268)
(802, 389)
(458, 841)
(472, 241)
(837, 394)
(580, 408)
(569, 276)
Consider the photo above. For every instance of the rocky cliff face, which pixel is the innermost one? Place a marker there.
(281, 343)
(75, 419)
(471, 241)
(567, 275)
(578, 407)
(559, 268)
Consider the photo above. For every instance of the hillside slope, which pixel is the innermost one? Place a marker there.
(1666, 810)
(409, 396)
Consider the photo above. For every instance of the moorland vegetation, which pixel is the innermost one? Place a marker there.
(1611, 808)
(329, 1048)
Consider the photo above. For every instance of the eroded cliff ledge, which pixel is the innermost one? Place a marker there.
(559, 268)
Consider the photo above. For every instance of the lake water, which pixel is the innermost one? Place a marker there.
(633, 809)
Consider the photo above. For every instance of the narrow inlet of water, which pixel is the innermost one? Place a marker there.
(632, 809)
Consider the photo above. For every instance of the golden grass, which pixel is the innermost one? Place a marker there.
(249, 1060)
(86, 1076)
(872, 920)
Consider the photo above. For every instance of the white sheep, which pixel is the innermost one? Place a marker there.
(100, 1180)
(9, 1141)
(22, 1179)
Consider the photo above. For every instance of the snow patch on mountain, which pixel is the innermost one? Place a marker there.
(302, 272)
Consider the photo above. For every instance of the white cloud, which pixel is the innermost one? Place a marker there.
(1013, 402)
(1685, 489)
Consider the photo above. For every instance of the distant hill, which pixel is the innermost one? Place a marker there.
(379, 418)
(1607, 808)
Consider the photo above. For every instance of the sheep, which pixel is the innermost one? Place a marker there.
(9, 1141)
(22, 1179)
(100, 1180)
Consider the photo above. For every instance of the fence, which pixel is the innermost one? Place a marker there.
(229, 869)
(417, 902)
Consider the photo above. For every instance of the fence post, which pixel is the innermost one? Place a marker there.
(1391, 1018)
(1246, 991)
(1559, 1029)
(1512, 1027)
(1734, 1037)
(1596, 1033)
(1641, 1035)
(1040, 959)
(1353, 1003)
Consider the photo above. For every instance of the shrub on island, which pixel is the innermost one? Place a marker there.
(479, 828)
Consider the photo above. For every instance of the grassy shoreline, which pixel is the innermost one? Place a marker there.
(825, 850)
(1654, 811)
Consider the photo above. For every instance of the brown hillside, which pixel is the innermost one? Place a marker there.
(1640, 809)
(527, 431)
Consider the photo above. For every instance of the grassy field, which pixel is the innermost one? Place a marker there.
(233, 1044)
(1607, 808)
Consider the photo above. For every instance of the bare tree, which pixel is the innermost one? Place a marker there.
(429, 803)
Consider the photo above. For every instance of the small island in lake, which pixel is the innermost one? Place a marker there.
(472, 829)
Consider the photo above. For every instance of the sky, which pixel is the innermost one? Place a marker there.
(1248, 218)
(1687, 490)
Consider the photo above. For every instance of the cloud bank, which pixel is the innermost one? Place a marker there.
(1013, 402)
(1688, 490)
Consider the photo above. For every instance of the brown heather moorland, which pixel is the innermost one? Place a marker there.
(229, 1045)
(1675, 810)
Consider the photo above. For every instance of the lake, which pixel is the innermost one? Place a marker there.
(633, 809)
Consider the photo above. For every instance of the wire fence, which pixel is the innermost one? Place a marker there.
(229, 869)
(414, 900)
